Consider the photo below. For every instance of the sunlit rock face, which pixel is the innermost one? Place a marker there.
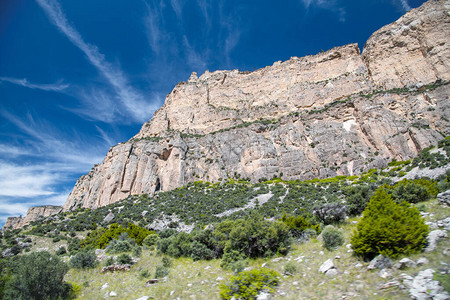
(339, 112)
(34, 213)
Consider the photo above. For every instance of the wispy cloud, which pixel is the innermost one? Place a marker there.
(104, 136)
(405, 5)
(131, 99)
(46, 141)
(25, 181)
(331, 5)
(177, 7)
(195, 60)
(204, 7)
(153, 30)
(58, 86)
(41, 170)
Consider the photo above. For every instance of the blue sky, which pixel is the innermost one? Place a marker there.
(77, 77)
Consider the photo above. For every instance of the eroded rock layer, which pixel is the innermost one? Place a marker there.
(337, 112)
(34, 213)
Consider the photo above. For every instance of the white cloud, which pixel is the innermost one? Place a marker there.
(153, 30)
(405, 5)
(131, 99)
(35, 173)
(204, 6)
(105, 136)
(50, 144)
(177, 8)
(59, 86)
(195, 60)
(25, 181)
(331, 5)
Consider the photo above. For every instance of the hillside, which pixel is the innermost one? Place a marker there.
(338, 201)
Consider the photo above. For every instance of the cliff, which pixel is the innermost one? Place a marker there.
(337, 112)
(35, 213)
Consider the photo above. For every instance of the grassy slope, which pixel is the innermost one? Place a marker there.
(200, 280)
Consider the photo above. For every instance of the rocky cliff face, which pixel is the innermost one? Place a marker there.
(337, 112)
(34, 214)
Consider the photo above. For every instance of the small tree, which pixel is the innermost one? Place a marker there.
(332, 238)
(388, 228)
(38, 275)
(83, 260)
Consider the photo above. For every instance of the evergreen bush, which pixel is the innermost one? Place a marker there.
(124, 259)
(38, 275)
(332, 238)
(248, 284)
(388, 228)
(83, 260)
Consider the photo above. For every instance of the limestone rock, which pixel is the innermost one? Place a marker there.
(433, 238)
(405, 52)
(424, 287)
(327, 265)
(385, 273)
(389, 284)
(34, 214)
(115, 267)
(332, 272)
(108, 218)
(380, 262)
(405, 263)
(444, 198)
(264, 296)
(422, 261)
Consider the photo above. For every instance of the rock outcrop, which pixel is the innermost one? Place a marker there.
(335, 113)
(34, 214)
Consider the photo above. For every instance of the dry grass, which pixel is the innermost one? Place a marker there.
(201, 279)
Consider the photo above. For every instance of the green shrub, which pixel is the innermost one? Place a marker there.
(119, 246)
(248, 284)
(75, 290)
(297, 225)
(38, 275)
(230, 257)
(201, 251)
(109, 261)
(73, 246)
(144, 274)
(161, 271)
(83, 260)
(256, 237)
(150, 240)
(388, 228)
(332, 238)
(61, 251)
(413, 191)
(356, 198)
(124, 259)
(166, 262)
(290, 268)
(331, 213)
(137, 251)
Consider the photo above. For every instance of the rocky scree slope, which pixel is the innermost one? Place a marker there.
(339, 112)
